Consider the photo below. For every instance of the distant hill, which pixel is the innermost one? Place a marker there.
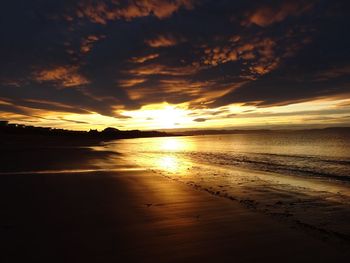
(107, 134)
(113, 133)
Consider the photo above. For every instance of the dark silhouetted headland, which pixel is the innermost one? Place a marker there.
(11, 129)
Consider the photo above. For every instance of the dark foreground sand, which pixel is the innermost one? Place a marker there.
(138, 216)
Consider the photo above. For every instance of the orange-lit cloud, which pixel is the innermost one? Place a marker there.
(88, 42)
(131, 82)
(164, 41)
(64, 76)
(168, 88)
(144, 58)
(179, 89)
(101, 12)
(260, 52)
(51, 105)
(219, 55)
(159, 69)
(267, 15)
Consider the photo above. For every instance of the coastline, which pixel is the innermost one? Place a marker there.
(73, 200)
(142, 217)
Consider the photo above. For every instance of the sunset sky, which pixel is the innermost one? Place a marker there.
(175, 64)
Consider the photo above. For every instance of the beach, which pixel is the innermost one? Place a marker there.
(141, 217)
(175, 131)
(94, 204)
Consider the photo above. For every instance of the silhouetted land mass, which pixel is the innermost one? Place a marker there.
(9, 129)
(29, 148)
(18, 130)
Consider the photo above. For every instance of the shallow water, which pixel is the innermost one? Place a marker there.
(312, 154)
(302, 178)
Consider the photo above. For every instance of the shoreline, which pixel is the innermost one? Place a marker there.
(319, 206)
(142, 217)
(94, 203)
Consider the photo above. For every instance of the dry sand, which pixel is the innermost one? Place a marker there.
(139, 216)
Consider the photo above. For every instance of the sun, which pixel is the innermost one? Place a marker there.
(169, 117)
(160, 116)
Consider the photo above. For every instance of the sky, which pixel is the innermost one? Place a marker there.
(175, 64)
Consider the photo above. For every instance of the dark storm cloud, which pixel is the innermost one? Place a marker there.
(99, 56)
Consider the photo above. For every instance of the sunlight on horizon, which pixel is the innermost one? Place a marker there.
(163, 116)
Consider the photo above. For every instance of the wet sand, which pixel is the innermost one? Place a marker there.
(45, 153)
(139, 216)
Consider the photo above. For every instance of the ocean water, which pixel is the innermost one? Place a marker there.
(324, 155)
(302, 178)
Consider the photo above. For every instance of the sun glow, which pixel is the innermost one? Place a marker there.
(171, 145)
(169, 163)
(161, 116)
(322, 112)
(169, 117)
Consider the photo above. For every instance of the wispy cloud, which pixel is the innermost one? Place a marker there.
(63, 76)
(144, 58)
(101, 11)
(164, 41)
(266, 15)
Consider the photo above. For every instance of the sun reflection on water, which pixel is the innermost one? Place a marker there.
(168, 163)
(171, 144)
(168, 159)
(165, 154)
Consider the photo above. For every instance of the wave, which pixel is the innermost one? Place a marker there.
(315, 166)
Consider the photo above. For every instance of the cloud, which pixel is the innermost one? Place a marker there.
(200, 120)
(49, 105)
(64, 76)
(170, 90)
(125, 83)
(88, 42)
(278, 89)
(332, 73)
(7, 107)
(74, 121)
(144, 58)
(260, 52)
(107, 56)
(267, 15)
(160, 69)
(101, 12)
(164, 41)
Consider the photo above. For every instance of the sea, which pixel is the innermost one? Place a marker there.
(300, 177)
(314, 154)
